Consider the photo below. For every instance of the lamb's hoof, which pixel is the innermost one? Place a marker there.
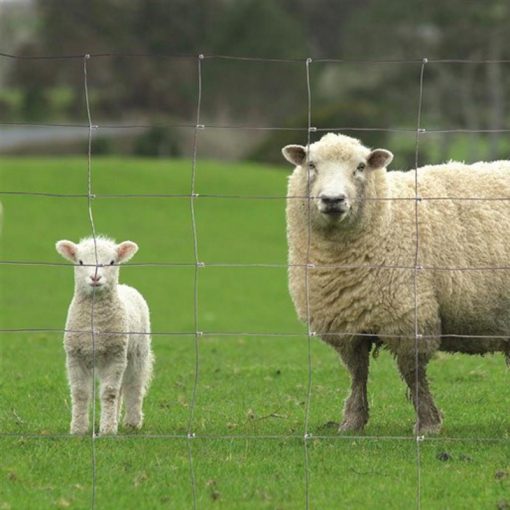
(133, 425)
(355, 424)
(79, 431)
(108, 431)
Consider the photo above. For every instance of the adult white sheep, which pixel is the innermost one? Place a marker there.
(119, 349)
(363, 218)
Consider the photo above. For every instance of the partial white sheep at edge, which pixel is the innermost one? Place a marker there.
(107, 331)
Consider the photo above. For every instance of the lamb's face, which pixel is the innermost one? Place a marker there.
(96, 275)
(334, 173)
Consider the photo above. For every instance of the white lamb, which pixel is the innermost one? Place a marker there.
(108, 331)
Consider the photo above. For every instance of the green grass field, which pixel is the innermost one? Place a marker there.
(251, 385)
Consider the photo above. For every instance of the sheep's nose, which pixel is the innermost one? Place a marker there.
(333, 201)
(95, 278)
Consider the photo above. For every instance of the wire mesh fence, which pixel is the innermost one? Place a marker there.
(197, 264)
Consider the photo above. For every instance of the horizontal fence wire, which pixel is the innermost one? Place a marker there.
(198, 265)
(254, 334)
(423, 131)
(192, 56)
(242, 197)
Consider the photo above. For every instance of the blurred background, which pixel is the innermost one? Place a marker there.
(149, 97)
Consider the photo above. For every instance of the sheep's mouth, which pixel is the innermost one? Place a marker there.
(335, 213)
(96, 284)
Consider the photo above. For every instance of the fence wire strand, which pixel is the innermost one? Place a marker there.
(417, 336)
(190, 437)
(197, 265)
(90, 197)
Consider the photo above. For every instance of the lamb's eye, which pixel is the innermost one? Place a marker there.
(112, 262)
(361, 167)
(311, 166)
(80, 262)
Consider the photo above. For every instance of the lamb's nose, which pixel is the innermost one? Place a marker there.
(333, 200)
(95, 278)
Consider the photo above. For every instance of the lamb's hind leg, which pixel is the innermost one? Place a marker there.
(355, 355)
(428, 416)
(134, 386)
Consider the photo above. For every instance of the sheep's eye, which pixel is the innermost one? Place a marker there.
(112, 262)
(361, 167)
(80, 262)
(311, 166)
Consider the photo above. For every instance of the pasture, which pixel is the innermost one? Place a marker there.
(251, 396)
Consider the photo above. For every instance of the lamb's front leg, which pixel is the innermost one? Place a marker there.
(110, 377)
(355, 354)
(80, 383)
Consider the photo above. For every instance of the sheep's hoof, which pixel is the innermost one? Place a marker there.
(329, 426)
(428, 429)
(355, 424)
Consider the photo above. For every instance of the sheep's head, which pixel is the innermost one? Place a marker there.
(334, 173)
(93, 275)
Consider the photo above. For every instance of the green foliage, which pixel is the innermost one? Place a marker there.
(157, 141)
(248, 386)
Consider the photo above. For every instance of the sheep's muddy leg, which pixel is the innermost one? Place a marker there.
(110, 377)
(355, 355)
(80, 383)
(428, 416)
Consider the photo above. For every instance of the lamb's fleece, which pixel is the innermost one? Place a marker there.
(108, 327)
(368, 259)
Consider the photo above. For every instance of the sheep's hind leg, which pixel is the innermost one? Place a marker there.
(428, 416)
(110, 377)
(355, 355)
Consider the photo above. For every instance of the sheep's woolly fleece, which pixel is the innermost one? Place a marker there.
(379, 247)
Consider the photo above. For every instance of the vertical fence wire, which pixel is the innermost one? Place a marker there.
(90, 197)
(193, 196)
(417, 268)
(309, 332)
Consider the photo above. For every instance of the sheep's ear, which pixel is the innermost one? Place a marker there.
(379, 158)
(294, 154)
(67, 249)
(126, 250)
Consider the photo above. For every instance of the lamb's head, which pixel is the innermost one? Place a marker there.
(93, 275)
(334, 172)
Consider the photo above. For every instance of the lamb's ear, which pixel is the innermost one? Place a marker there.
(67, 249)
(379, 158)
(126, 250)
(294, 154)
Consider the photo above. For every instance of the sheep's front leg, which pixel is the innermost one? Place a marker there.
(110, 377)
(428, 416)
(80, 383)
(355, 355)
